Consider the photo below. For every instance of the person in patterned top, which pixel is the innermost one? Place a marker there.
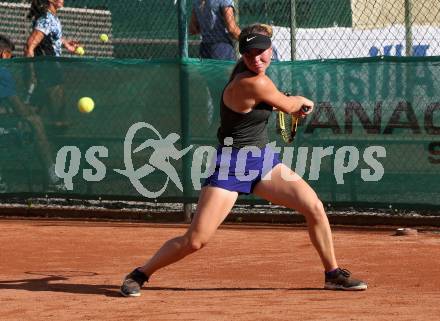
(46, 39)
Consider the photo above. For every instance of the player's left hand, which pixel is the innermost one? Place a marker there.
(306, 108)
(71, 45)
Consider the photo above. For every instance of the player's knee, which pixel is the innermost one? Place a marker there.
(316, 211)
(196, 243)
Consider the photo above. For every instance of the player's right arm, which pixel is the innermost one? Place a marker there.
(232, 27)
(265, 90)
(194, 27)
(32, 42)
(20, 108)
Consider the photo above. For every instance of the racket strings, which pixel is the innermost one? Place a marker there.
(288, 132)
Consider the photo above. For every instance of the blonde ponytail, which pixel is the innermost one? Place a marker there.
(262, 28)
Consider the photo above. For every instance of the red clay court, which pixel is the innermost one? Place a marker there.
(71, 270)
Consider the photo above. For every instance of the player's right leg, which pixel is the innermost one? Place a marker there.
(213, 207)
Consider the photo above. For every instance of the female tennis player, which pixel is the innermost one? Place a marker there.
(46, 39)
(247, 102)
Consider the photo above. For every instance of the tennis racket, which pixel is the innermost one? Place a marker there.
(287, 124)
(29, 93)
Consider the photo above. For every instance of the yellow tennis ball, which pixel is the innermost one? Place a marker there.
(79, 51)
(103, 37)
(86, 105)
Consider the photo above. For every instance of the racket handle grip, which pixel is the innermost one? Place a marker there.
(305, 109)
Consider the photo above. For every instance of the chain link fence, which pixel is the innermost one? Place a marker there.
(303, 29)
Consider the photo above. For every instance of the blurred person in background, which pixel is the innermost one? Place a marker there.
(215, 21)
(11, 106)
(46, 39)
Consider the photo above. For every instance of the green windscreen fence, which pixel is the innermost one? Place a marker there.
(370, 66)
(374, 136)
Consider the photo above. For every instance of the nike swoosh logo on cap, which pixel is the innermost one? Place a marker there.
(249, 39)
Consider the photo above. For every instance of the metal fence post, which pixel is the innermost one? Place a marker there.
(237, 20)
(184, 104)
(408, 28)
(293, 30)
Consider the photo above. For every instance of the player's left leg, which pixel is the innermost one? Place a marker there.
(284, 187)
(214, 205)
(57, 103)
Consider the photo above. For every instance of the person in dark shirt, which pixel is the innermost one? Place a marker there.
(215, 21)
(11, 104)
(246, 163)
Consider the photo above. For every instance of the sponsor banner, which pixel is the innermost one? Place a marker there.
(336, 42)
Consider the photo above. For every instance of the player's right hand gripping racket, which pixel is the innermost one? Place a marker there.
(287, 125)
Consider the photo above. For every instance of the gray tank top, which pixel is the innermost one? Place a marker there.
(249, 129)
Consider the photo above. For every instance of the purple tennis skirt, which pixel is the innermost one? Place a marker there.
(240, 169)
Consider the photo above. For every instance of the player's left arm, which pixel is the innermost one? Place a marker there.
(70, 45)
